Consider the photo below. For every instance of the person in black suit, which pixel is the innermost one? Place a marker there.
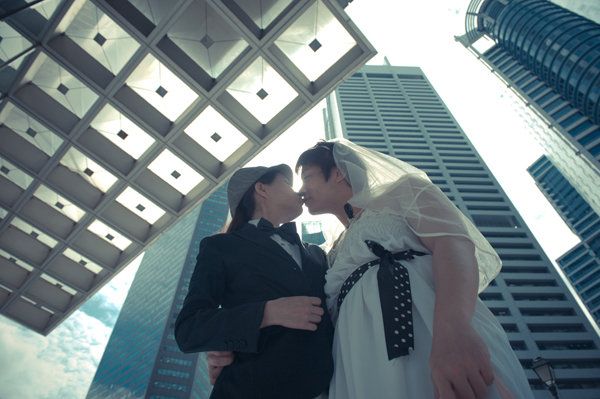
(258, 291)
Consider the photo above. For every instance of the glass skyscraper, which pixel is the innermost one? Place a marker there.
(581, 264)
(141, 359)
(550, 57)
(395, 110)
(312, 232)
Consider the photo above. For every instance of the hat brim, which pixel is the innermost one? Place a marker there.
(244, 178)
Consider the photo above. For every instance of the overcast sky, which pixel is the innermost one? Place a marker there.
(410, 33)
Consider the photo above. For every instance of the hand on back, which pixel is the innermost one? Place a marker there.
(216, 361)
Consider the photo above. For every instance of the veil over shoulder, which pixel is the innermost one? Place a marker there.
(381, 182)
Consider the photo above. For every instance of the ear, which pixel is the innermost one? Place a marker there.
(337, 175)
(260, 189)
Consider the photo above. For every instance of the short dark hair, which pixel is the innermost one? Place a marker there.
(321, 155)
(245, 209)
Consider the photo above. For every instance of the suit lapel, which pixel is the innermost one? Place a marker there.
(282, 267)
(310, 263)
(251, 233)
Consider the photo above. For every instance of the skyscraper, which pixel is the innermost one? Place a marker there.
(581, 264)
(550, 57)
(141, 358)
(312, 232)
(395, 110)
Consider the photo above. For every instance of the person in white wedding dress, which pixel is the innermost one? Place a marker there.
(403, 283)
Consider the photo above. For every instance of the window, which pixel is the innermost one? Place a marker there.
(510, 327)
(547, 311)
(518, 345)
(538, 91)
(545, 97)
(490, 296)
(556, 327)
(565, 345)
(570, 120)
(174, 360)
(538, 297)
(519, 257)
(563, 111)
(589, 137)
(379, 75)
(553, 105)
(500, 311)
(531, 283)
(170, 385)
(174, 373)
(410, 77)
(495, 221)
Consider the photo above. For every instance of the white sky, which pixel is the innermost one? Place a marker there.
(410, 33)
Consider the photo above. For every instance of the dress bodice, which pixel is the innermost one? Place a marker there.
(384, 227)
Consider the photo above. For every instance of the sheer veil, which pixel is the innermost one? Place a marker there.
(380, 182)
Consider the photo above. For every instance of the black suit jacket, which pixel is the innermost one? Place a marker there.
(236, 274)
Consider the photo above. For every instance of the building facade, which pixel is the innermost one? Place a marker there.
(550, 57)
(312, 232)
(581, 264)
(395, 110)
(142, 359)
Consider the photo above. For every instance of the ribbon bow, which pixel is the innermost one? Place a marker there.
(287, 231)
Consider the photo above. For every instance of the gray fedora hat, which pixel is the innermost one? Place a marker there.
(245, 178)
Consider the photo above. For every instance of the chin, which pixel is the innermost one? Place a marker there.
(314, 211)
(296, 213)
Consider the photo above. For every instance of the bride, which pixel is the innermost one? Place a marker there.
(403, 283)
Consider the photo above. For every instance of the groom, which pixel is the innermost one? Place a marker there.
(257, 290)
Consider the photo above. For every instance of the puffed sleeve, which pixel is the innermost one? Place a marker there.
(429, 212)
(203, 324)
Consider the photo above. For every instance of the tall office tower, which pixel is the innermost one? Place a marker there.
(141, 358)
(550, 57)
(395, 110)
(581, 264)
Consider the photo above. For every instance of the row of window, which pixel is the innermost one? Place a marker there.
(545, 311)
(545, 328)
(522, 269)
(173, 373)
(176, 360)
(170, 386)
(563, 364)
(584, 272)
(564, 384)
(555, 345)
(592, 292)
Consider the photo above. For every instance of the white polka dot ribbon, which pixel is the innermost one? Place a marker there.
(394, 296)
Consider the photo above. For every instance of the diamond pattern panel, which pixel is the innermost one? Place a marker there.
(129, 114)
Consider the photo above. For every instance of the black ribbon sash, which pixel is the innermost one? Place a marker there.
(394, 296)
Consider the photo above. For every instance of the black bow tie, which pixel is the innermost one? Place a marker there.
(287, 231)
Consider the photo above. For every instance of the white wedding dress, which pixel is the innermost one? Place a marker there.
(362, 368)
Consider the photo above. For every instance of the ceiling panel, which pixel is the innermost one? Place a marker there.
(118, 117)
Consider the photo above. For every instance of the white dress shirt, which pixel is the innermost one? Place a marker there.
(290, 248)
